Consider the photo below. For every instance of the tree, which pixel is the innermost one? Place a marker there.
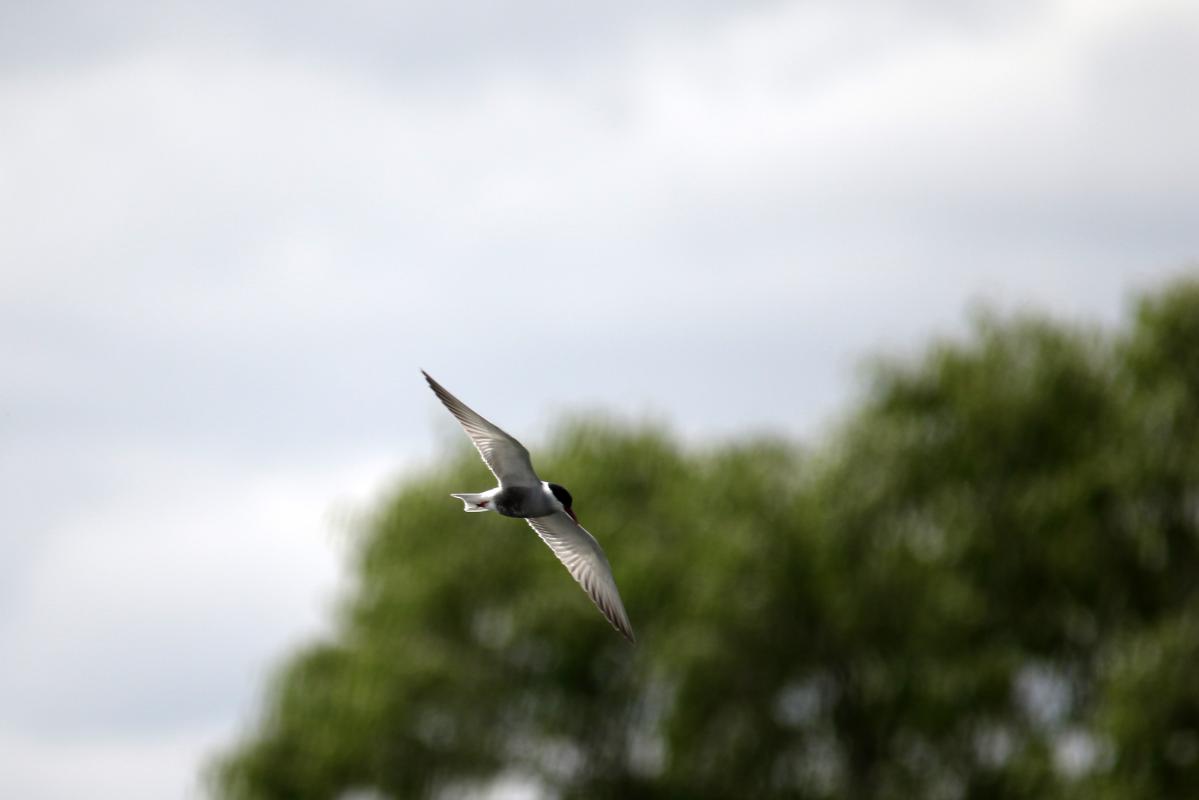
(983, 584)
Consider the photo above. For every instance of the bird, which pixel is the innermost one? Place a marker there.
(547, 507)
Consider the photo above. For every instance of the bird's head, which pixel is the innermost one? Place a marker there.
(562, 496)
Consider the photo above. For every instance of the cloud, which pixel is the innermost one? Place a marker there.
(158, 608)
(113, 766)
(228, 191)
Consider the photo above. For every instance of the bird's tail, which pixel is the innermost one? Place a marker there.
(474, 502)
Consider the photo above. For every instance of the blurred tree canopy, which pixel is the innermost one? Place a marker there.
(983, 584)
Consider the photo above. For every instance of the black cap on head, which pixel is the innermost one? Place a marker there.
(562, 495)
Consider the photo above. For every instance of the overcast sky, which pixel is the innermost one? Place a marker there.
(232, 233)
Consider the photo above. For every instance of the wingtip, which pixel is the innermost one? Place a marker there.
(622, 626)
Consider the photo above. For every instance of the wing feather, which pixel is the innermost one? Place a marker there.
(507, 458)
(584, 559)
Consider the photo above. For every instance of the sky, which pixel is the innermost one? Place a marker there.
(233, 232)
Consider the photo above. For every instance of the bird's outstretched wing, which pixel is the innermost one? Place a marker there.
(582, 556)
(507, 458)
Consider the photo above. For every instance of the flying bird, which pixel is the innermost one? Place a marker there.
(547, 507)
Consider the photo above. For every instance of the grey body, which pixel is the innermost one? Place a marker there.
(525, 502)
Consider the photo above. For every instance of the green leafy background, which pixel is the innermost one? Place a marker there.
(981, 584)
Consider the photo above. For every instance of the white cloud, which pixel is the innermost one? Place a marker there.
(215, 191)
(162, 765)
(144, 625)
(160, 611)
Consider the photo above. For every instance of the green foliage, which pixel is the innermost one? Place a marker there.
(984, 585)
